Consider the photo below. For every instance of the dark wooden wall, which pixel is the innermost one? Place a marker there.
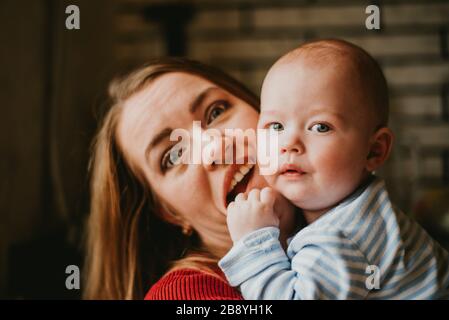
(51, 81)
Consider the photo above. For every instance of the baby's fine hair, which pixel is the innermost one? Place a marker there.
(370, 76)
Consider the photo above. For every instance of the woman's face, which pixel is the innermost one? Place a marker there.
(197, 193)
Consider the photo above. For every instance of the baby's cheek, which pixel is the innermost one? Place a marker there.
(340, 157)
(343, 172)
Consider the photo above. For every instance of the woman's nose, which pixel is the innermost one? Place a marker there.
(219, 150)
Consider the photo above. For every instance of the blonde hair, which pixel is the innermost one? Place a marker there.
(124, 253)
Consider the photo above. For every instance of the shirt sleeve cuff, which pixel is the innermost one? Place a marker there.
(252, 254)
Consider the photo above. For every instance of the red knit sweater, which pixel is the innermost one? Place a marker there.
(185, 284)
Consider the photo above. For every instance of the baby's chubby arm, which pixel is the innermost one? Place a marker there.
(247, 214)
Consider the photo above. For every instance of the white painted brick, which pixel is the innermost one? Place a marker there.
(310, 16)
(141, 3)
(413, 14)
(314, 16)
(415, 162)
(431, 135)
(273, 49)
(242, 48)
(432, 167)
(210, 20)
(428, 167)
(417, 75)
(416, 106)
(395, 45)
(129, 23)
(140, 51)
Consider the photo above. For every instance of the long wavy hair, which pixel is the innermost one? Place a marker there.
(125, 254)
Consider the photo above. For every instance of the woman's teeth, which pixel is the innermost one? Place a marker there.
(239, 175)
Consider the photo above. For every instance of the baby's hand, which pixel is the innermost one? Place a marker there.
(247, 215)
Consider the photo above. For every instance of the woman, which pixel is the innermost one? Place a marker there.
(151, 216)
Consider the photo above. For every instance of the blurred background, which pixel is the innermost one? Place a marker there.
(54, 81)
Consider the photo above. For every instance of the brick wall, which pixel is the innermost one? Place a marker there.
(245, 37)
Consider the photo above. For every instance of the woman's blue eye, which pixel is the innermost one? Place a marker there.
(320, 128)
(215, 110)
(172, 157)
(276, 126)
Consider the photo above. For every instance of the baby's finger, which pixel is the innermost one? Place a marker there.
(230, 206)
(254, 195)
(267, 196)
(240, 197)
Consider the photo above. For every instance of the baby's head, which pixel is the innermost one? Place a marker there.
(328, 103)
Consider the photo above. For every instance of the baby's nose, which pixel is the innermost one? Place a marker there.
(292, 146)
(290, 149)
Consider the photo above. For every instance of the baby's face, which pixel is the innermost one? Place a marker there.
(324, 131)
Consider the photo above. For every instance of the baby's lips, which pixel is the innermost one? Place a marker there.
(290, 167)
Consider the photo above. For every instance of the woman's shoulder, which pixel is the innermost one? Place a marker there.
(190, 284)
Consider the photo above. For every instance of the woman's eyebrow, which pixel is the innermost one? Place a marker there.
(200, 98)
(157, 139)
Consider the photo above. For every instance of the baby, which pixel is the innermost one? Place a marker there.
(327, 102)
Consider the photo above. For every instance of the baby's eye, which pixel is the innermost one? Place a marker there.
(276, 126)
(320, 128)
(215, 110)
(172, 157)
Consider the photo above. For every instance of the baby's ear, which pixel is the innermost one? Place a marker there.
(380, 148)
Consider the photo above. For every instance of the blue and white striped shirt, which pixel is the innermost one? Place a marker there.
(364, 248)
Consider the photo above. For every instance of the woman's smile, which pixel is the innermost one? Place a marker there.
(236, 181)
